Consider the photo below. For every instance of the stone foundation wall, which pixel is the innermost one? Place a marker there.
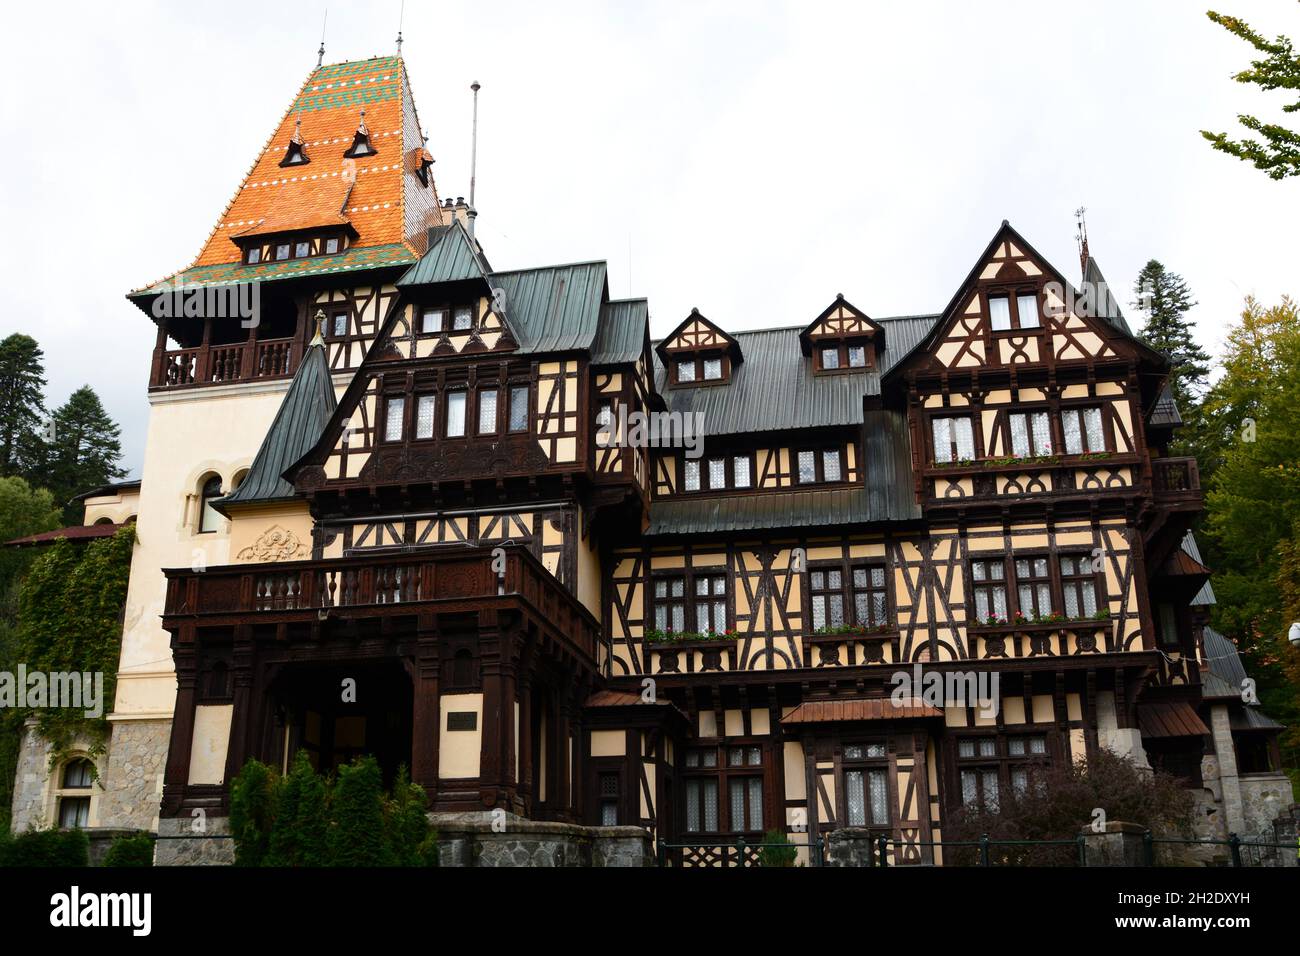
(31, 781)
(137, 756)
(34, 804)
(1264, 797)
(487, 839)
(179, 845)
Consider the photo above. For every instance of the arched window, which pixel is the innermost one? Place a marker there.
(104, 520)
(74, 793)
(209, 517)
(238, 480)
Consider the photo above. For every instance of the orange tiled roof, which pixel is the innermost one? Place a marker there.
(849, 709)
(379, 195)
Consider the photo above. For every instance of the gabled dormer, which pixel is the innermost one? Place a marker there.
(361, 145)
(842, 339)
(698, 352)
(422, 165)
(296, 153)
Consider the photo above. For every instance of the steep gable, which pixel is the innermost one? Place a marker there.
(1016, 309)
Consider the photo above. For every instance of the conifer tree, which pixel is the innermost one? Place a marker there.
(22, 405)
(85, 452)
(1165, 299)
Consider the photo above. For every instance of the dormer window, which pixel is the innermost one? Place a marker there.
(697, 353)
(360, 141)
(1014, 310)
(296, 153)
(442, 319)
(842, 339)
(423, 163)
(297, 247)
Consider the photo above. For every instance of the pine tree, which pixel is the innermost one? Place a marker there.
(1165, 299)
(86, 449)
(22, 405)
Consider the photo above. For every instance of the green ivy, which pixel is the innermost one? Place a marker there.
(70, 619)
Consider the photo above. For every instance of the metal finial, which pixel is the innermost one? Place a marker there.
(399, 42)
(297, 130)
(361, 127)
(319, 337)
(320, 54)
(473, 160)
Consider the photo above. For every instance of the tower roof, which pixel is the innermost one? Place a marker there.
(303, 415)
(375, 191)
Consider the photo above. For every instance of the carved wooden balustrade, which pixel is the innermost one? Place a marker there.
(218, 364)
(380, 585)
(1176, 479)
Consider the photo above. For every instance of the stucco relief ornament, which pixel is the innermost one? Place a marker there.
(274, 544)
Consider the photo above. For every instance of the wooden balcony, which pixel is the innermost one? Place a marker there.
(394, 585)
(250, 361)
(1176, 482)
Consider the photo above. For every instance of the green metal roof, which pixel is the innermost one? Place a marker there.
(778, 511)
(306, 410)
(555, 308)
(453, 256)
(232, 273)
(623, 332)
(775, 388)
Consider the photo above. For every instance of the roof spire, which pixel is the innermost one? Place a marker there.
(400, 17)
(297, 130)
(361, 126)
(320, 54)
(1082, 237)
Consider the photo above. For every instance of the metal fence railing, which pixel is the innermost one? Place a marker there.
(741, 853)
(983, 852)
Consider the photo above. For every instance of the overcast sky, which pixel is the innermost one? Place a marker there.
(752, 159)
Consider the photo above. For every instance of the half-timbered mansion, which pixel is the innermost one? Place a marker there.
(377, 461)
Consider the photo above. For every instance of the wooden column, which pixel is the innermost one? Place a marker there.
(156, 374)
(177, 773)
(497, 640)
(203, 363)
(426, 711)
(241, 722)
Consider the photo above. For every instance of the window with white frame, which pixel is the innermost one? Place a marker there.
(1031, 434)
(73, 795)
(487, 411)
(209, 517)
(1083, 431)
(394, 409)
(954, 438)
(866, 784)
(456, 414)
